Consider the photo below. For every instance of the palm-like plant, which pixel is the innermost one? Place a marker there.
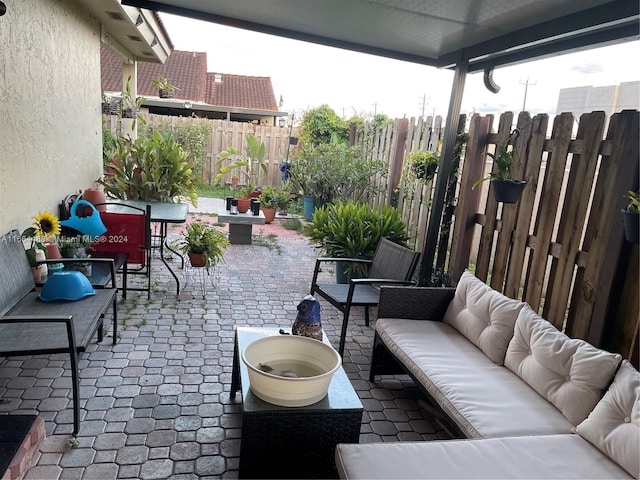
(252, 161)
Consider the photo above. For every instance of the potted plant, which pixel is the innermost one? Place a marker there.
(353, 230)
(165, 88)
(424, 165)
(203, 244)
(632, 218)
(283, 199)
(83, 267)
(250, 165)
(109, 105)
(45, 226)
(129, 105)
(267, 198)
(505, 188)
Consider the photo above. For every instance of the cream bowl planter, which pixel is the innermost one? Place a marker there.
(290, 370)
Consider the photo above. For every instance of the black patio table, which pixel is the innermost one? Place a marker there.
(162, 213)
(292, 442)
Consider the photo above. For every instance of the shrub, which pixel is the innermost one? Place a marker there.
(353, 230)
(153, 169)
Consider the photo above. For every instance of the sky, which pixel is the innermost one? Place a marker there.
(307, 75)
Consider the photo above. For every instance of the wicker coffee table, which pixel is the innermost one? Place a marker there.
(292, 442)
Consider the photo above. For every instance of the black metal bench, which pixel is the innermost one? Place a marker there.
(29, 326)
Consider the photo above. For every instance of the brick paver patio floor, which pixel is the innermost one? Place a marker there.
(157, 405)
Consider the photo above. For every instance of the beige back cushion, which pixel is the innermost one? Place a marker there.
(484, 316)
(614, 424)
(569, 373)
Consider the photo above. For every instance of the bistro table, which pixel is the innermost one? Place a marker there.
(162, 213)
(292, 442)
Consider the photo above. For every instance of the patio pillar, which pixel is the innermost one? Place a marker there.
(444, 169)
(130, 70)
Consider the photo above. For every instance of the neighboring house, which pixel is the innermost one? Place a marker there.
(207, 94)
(50, 108)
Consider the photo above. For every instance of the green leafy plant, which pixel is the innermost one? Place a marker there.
(250, 165)
(268, 197)
(634, 202)
(130, 105)
(502, 162)
(203, 238)
(321, 125)
(271, 197)
(353, 229)
(424, 164)
(335, 171)
(161, 83)
(155, 168)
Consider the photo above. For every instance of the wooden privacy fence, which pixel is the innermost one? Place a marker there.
(224, 133)
(561, 248)
(400, 187)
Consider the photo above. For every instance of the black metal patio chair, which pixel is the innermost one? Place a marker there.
(391, 264)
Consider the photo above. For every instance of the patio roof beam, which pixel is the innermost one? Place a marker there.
(627, 32)
(615, 20)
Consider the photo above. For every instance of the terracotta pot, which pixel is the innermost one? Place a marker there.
(197, 259)
(269, 214)
(37, 272)
(53, 251)
(95, 196)
(243, 205)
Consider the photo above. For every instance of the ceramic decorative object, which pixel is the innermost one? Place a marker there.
(308, 323)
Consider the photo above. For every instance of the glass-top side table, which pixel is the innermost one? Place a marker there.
(292, 442)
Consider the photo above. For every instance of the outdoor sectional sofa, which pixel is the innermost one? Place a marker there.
(528, 398)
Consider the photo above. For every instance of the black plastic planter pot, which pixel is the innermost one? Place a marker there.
(508, 191)
(631, 226)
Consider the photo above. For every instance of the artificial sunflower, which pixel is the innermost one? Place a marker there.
(46, 225)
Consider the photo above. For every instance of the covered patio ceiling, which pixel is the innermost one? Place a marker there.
(464, 35)
(484, 33)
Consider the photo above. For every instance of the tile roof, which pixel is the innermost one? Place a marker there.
(238, 90)
(188, 72)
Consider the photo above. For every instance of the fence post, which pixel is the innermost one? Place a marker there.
(397, 156)
(469, 200)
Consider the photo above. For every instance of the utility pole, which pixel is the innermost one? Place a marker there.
(526, 88)
(424, 103)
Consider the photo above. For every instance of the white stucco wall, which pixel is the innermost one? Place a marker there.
(50, 119)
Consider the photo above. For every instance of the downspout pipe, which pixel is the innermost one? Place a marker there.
(444, 169)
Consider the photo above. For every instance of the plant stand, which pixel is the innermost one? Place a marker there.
(198, 277)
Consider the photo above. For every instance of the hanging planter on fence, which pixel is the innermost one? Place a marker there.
(508, 191)
(631, 226)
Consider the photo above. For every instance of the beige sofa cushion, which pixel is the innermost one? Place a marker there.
(614, 424)
(569, 373)
(484, 316)
(540, 457)
(482, 398)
